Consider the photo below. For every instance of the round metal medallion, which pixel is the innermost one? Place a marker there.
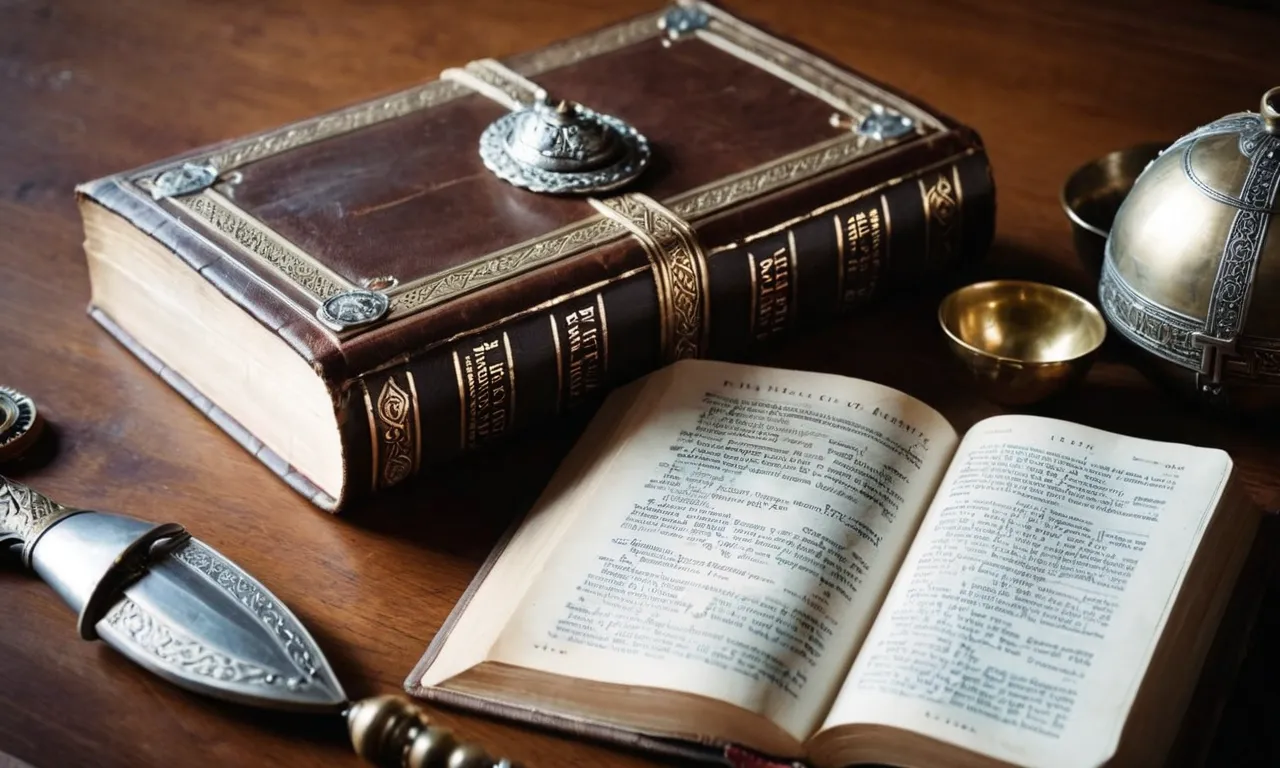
(183, 180)
(20, 423)
(563, 148)
(353, 309)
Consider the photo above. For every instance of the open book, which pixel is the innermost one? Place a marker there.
(819, 568)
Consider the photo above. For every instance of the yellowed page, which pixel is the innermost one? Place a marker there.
(738, 544)
(504, 586)
(1029, 606)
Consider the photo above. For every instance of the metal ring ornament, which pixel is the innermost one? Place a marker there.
(632, 158)
(20, 423)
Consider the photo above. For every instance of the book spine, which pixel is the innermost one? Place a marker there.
(477, 389)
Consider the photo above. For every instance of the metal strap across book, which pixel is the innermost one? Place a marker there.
(559, 147)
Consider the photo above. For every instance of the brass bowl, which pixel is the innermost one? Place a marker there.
(1022, 341)
(1093, 193)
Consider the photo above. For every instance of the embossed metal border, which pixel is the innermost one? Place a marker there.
(821, 79)
(1157, 329)
(679, 268)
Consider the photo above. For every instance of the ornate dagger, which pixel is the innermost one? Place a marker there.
(178, 608)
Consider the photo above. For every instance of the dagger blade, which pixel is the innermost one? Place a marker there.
(180, 609)
(199, 621)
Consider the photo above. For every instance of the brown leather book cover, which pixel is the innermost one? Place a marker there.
(771, 203)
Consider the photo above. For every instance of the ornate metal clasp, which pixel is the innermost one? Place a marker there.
(561, 147)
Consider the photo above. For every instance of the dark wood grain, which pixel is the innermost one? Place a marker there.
(91, 88)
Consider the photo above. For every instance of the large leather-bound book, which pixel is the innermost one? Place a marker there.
(782, 190)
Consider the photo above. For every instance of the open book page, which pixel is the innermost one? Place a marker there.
(739, 542)
(502, 588)
(1031, 601)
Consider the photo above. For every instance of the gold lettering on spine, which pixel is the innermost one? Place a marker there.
(373, 435)
(462, 401)
(793, 268)
(511, 379)
(555, 338)
(587, 356)
(864, 254)
(679, 270)
(941, 217)
(771, 294)
(417, 422)
(395, 429)
(959, 233)
(486, 389)
(604, 333)
(888, 226)
(840, 263)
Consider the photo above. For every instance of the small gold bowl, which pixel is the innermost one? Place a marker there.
(1022, 341)
(1093, 193)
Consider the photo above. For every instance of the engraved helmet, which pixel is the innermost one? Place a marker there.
(1192, 268)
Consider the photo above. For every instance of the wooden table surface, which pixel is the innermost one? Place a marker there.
(91, 88)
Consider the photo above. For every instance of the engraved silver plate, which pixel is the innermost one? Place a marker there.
(884, 124)
(184, 180)
(202, 623)
(353, 309)
(563, 148)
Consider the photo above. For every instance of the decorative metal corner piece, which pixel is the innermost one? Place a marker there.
(353, 309)
(884, 124)
(682, 20)
(563, 148)
(184, 180)
(19, 423)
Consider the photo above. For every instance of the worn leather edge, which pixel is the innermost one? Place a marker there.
(295, 479)
(295, 325)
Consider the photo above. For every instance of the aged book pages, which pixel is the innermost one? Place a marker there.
(708, 561)
(732, 541)
(1028, 610)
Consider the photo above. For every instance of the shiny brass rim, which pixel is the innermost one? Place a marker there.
(1088, 307)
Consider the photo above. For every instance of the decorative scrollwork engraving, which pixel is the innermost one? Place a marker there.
(257, 239)
(839, 88)
(1232, 286)
(503, 264)
(766, 178)
(25, 514)
(394, 410)
(793, 64)
(1159, 330)
(679, 267)
(941, 203)
(490, 78)
(259, 603)
(171, 647)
